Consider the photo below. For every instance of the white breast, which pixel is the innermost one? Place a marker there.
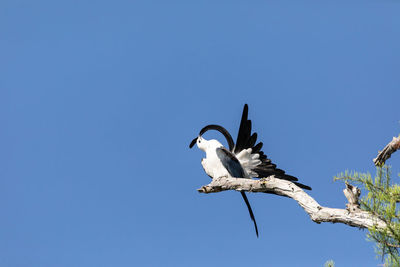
(213, 166)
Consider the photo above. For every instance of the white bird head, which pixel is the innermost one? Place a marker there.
(205, 145)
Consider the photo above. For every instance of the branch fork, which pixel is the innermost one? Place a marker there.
(352, 193)
(387, 151)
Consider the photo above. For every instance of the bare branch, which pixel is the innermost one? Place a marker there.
(387, 151)
(352, 216)
(352, 193)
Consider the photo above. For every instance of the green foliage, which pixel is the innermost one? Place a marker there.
(329, 263)
(382, 196)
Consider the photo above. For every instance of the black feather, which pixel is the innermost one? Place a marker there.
(257, 147)
(244, 131)
(230, 162)
(303, 186)
(250, 211)
(252, 140)
(193, 142)
(222, 130)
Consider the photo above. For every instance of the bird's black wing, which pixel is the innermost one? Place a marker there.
(232, 164)
(265, 167)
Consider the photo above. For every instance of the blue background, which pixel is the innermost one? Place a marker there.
(100, 99)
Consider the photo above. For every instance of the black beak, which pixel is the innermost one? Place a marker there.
(193, 142)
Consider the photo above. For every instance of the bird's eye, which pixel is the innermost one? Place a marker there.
(199, 141)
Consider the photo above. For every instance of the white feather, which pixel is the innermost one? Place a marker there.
(248, 161)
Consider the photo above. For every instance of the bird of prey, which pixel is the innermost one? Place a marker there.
(242, 160)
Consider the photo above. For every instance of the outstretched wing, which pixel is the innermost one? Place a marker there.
(254, 162)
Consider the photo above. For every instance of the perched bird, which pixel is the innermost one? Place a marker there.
(242, 160)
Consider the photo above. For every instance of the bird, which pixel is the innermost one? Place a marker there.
(245, 159)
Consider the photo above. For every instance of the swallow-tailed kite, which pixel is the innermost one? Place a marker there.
(243, 160)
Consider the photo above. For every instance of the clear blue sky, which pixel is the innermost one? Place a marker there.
(100, 99)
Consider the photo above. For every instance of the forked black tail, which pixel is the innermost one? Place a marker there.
(250, 211)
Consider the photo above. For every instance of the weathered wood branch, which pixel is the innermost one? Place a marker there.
(352, 193)
(387, 151)
(352, 216)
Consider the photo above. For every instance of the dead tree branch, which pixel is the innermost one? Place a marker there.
(352, 216)
(387, 151)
